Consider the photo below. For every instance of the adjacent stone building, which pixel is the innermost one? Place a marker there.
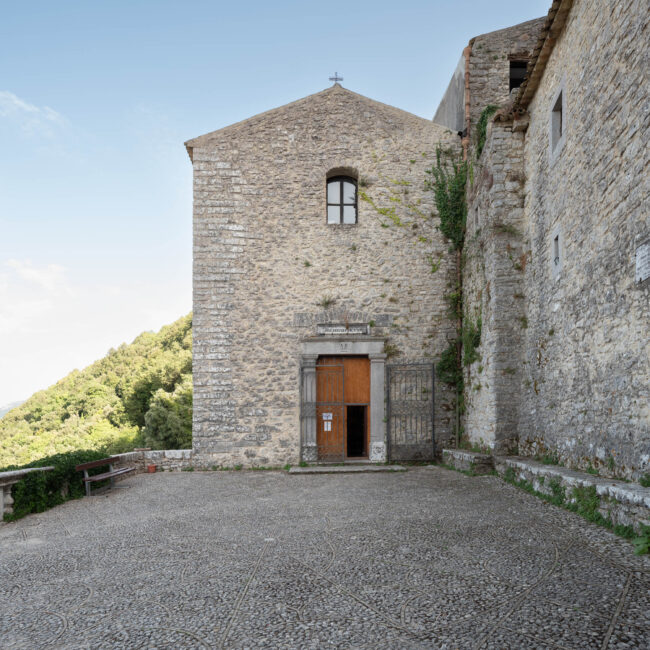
(320, 273)
(558, 238)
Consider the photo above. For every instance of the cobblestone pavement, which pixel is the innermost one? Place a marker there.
(423, 559)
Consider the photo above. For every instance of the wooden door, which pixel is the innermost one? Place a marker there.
(343, 407)
(330, 420)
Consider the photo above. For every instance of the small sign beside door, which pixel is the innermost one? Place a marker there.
(327, 416)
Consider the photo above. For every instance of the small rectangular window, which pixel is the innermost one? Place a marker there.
(517, 73)
(556, 251)
(557, 121)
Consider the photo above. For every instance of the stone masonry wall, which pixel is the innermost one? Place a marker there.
(489, 65)
(451, 111)
(587, 348)
(495, 263)
(267, 265)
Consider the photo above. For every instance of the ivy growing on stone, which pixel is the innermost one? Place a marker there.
(481, 127)
(471, 339)
(39, 491)
(448, 180)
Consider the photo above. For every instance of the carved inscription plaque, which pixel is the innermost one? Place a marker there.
(336, 329)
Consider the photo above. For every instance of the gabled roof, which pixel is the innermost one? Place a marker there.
(314, 102)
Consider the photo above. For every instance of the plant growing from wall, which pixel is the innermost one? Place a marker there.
(481, 127)
(471, 339)
(326, 302)
(448, 179)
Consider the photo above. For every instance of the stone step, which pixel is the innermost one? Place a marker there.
(355, 468)
(620, 502)
(469, 461)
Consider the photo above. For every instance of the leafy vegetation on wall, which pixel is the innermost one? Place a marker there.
(481, 127)
(39, 491)
(448, 179)
(138, 394)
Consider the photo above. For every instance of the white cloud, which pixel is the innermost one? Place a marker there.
(29, 118)
(50, 277)
(52, 321)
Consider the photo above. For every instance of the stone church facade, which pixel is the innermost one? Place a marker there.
(320, 273)
(278, 285)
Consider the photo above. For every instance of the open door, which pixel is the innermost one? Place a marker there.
(343, 407)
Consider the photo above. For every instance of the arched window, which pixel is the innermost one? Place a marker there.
(341, 200)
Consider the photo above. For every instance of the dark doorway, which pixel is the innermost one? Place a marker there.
(356, 430)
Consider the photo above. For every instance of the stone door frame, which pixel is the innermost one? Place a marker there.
(364, 346)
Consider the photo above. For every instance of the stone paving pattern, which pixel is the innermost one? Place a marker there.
(421, 559)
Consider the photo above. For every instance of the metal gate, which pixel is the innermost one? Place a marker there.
(322, 413)
(410, 409)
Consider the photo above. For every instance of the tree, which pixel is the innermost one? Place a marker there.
(168, 422)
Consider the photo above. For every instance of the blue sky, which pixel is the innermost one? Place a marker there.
(96, 100)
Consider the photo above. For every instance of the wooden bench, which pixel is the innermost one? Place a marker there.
(111, 474)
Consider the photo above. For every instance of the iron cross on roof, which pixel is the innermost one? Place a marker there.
(336, 78)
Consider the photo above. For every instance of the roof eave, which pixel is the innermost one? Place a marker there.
(555, 21)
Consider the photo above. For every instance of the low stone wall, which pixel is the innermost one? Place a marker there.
(7, 481)
(130, 459)
(626, 504)
(468, 461)
(164, 459)
(169, 459)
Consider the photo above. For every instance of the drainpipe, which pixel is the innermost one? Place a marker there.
(459, 254)
(467, 53)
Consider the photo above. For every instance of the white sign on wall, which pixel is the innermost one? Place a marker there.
(642, 262)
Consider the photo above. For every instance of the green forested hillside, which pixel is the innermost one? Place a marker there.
(7, 407)
(137, 395)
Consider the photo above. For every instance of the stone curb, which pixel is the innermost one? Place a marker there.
(346, 469)
(469, 461)
(623, 503)
(630, 493)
